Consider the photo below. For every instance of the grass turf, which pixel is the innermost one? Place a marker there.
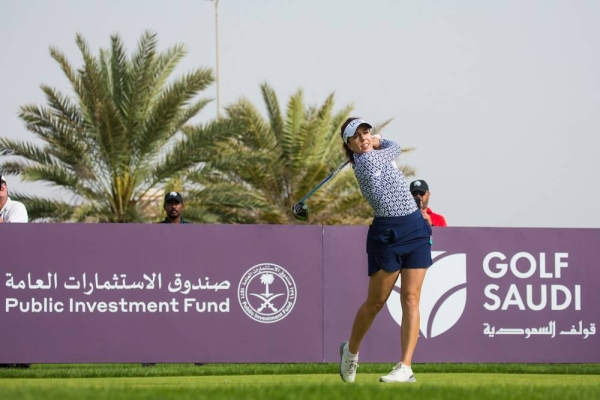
(299, 381)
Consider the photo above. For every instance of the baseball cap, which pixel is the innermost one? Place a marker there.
(419, 186)
(352, 126)
(2, 178)
(173, 196)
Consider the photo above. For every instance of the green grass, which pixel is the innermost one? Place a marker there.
(298, 381)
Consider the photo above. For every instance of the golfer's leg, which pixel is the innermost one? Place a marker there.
(381, 284)
(410, 297)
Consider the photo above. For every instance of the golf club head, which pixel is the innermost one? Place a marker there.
(300, 211)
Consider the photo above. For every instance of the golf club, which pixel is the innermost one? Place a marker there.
(300, 209)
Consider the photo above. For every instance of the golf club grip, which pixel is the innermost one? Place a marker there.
(338, 169)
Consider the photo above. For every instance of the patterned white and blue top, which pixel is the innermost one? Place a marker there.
(382, 184)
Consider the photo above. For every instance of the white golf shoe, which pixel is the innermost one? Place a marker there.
(347, 366)
(400, 373)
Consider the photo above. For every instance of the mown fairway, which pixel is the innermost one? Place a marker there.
(76, 382)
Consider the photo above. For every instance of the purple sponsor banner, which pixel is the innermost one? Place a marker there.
(266, 293)
(78, 293)
(492, 295)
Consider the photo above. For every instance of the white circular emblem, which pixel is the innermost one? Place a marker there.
(267, 293)
(417, 183)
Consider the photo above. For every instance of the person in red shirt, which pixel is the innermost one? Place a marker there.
(420, 191)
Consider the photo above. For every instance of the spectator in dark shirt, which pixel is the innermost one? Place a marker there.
(174, 207)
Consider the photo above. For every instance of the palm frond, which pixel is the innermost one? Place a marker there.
(294, 139)
(273, 111)
(26, 150)
(160, 125)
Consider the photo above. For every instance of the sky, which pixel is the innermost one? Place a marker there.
(499, 99)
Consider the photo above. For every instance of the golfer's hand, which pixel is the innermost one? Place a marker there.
(375, 141)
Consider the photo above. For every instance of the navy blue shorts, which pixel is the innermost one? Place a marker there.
(394, 243)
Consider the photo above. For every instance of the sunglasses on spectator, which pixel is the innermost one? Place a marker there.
(418, 193)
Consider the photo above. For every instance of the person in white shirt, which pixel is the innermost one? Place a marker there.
(11, 211)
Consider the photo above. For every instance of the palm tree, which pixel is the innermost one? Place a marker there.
(118, 138)
(263, 169)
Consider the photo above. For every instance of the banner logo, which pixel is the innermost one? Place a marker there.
(267, 293)
(443, 296)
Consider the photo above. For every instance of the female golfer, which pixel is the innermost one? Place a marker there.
(398, 244)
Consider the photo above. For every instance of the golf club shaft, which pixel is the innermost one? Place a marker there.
(324, 181)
